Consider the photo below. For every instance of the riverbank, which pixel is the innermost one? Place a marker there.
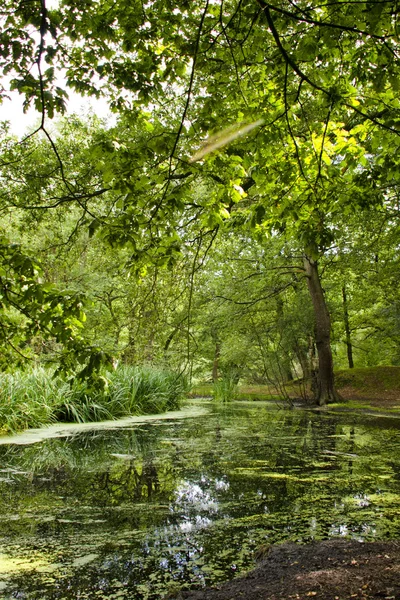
(37, 397)
(330, 570)
(65, 430)
(363, 388)
(376, 386)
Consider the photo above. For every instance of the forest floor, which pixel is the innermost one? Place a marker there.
(361, 388)
(330, 570)
(378, 387)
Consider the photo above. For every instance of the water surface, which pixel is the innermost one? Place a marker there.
(142, 511)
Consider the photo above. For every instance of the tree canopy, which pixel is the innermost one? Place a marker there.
(236, 118)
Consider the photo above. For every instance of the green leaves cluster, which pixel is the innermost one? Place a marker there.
(323, 79)
(31, 309)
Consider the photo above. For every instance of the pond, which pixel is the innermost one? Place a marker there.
(144, 510)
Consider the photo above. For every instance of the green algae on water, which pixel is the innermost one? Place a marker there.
(158, 506)
(61, 430)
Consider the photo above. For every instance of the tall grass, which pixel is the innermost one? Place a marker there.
(144, 390)
(35, 398)
(225, 389)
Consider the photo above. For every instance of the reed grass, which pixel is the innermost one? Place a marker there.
(35, 398)
(225, 390)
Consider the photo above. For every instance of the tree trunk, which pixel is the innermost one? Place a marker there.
(325, 389)
(284, 362)
(129, 354)
(215, 370)
(347, 329)
(217, 353)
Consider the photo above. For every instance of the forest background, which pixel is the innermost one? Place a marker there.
(240, 218)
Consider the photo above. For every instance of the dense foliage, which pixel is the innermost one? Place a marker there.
(36, 398)
(257, 256)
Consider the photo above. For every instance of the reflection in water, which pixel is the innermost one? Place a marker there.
(140, 512)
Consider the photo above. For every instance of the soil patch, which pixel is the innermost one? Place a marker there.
(379, 386)
(331, 570)
(377, 398)
(380, 398)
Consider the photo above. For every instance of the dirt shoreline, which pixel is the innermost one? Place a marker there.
(336, 569)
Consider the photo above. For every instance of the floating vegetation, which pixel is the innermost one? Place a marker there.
(158, 506)
(63, 430)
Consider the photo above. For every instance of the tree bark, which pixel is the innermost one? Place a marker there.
(347, 329)
(129, 354)
(284, 364)
(215, 370)
(325, 391)
(217, 354)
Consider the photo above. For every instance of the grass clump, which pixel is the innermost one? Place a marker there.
(26, 399)
(225, 389)
(35, 398)
(144, 390)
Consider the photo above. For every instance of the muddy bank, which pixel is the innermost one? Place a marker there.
(330, 570)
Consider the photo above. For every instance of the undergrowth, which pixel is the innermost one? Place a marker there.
(35, 398)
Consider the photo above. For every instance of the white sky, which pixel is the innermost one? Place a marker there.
(11, 110)
(21, 123)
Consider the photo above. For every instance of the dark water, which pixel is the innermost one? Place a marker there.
(141, 512)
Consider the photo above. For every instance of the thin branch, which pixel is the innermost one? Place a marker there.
(290, 127)
(191, 80)
(7, 339)
(372, 119)
(191, 288)
(289, 60)
(275, 292)
(323, 143)
(43, 30)
(305, 19)
(63, 199)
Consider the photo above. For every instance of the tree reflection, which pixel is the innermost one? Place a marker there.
(190, 501)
